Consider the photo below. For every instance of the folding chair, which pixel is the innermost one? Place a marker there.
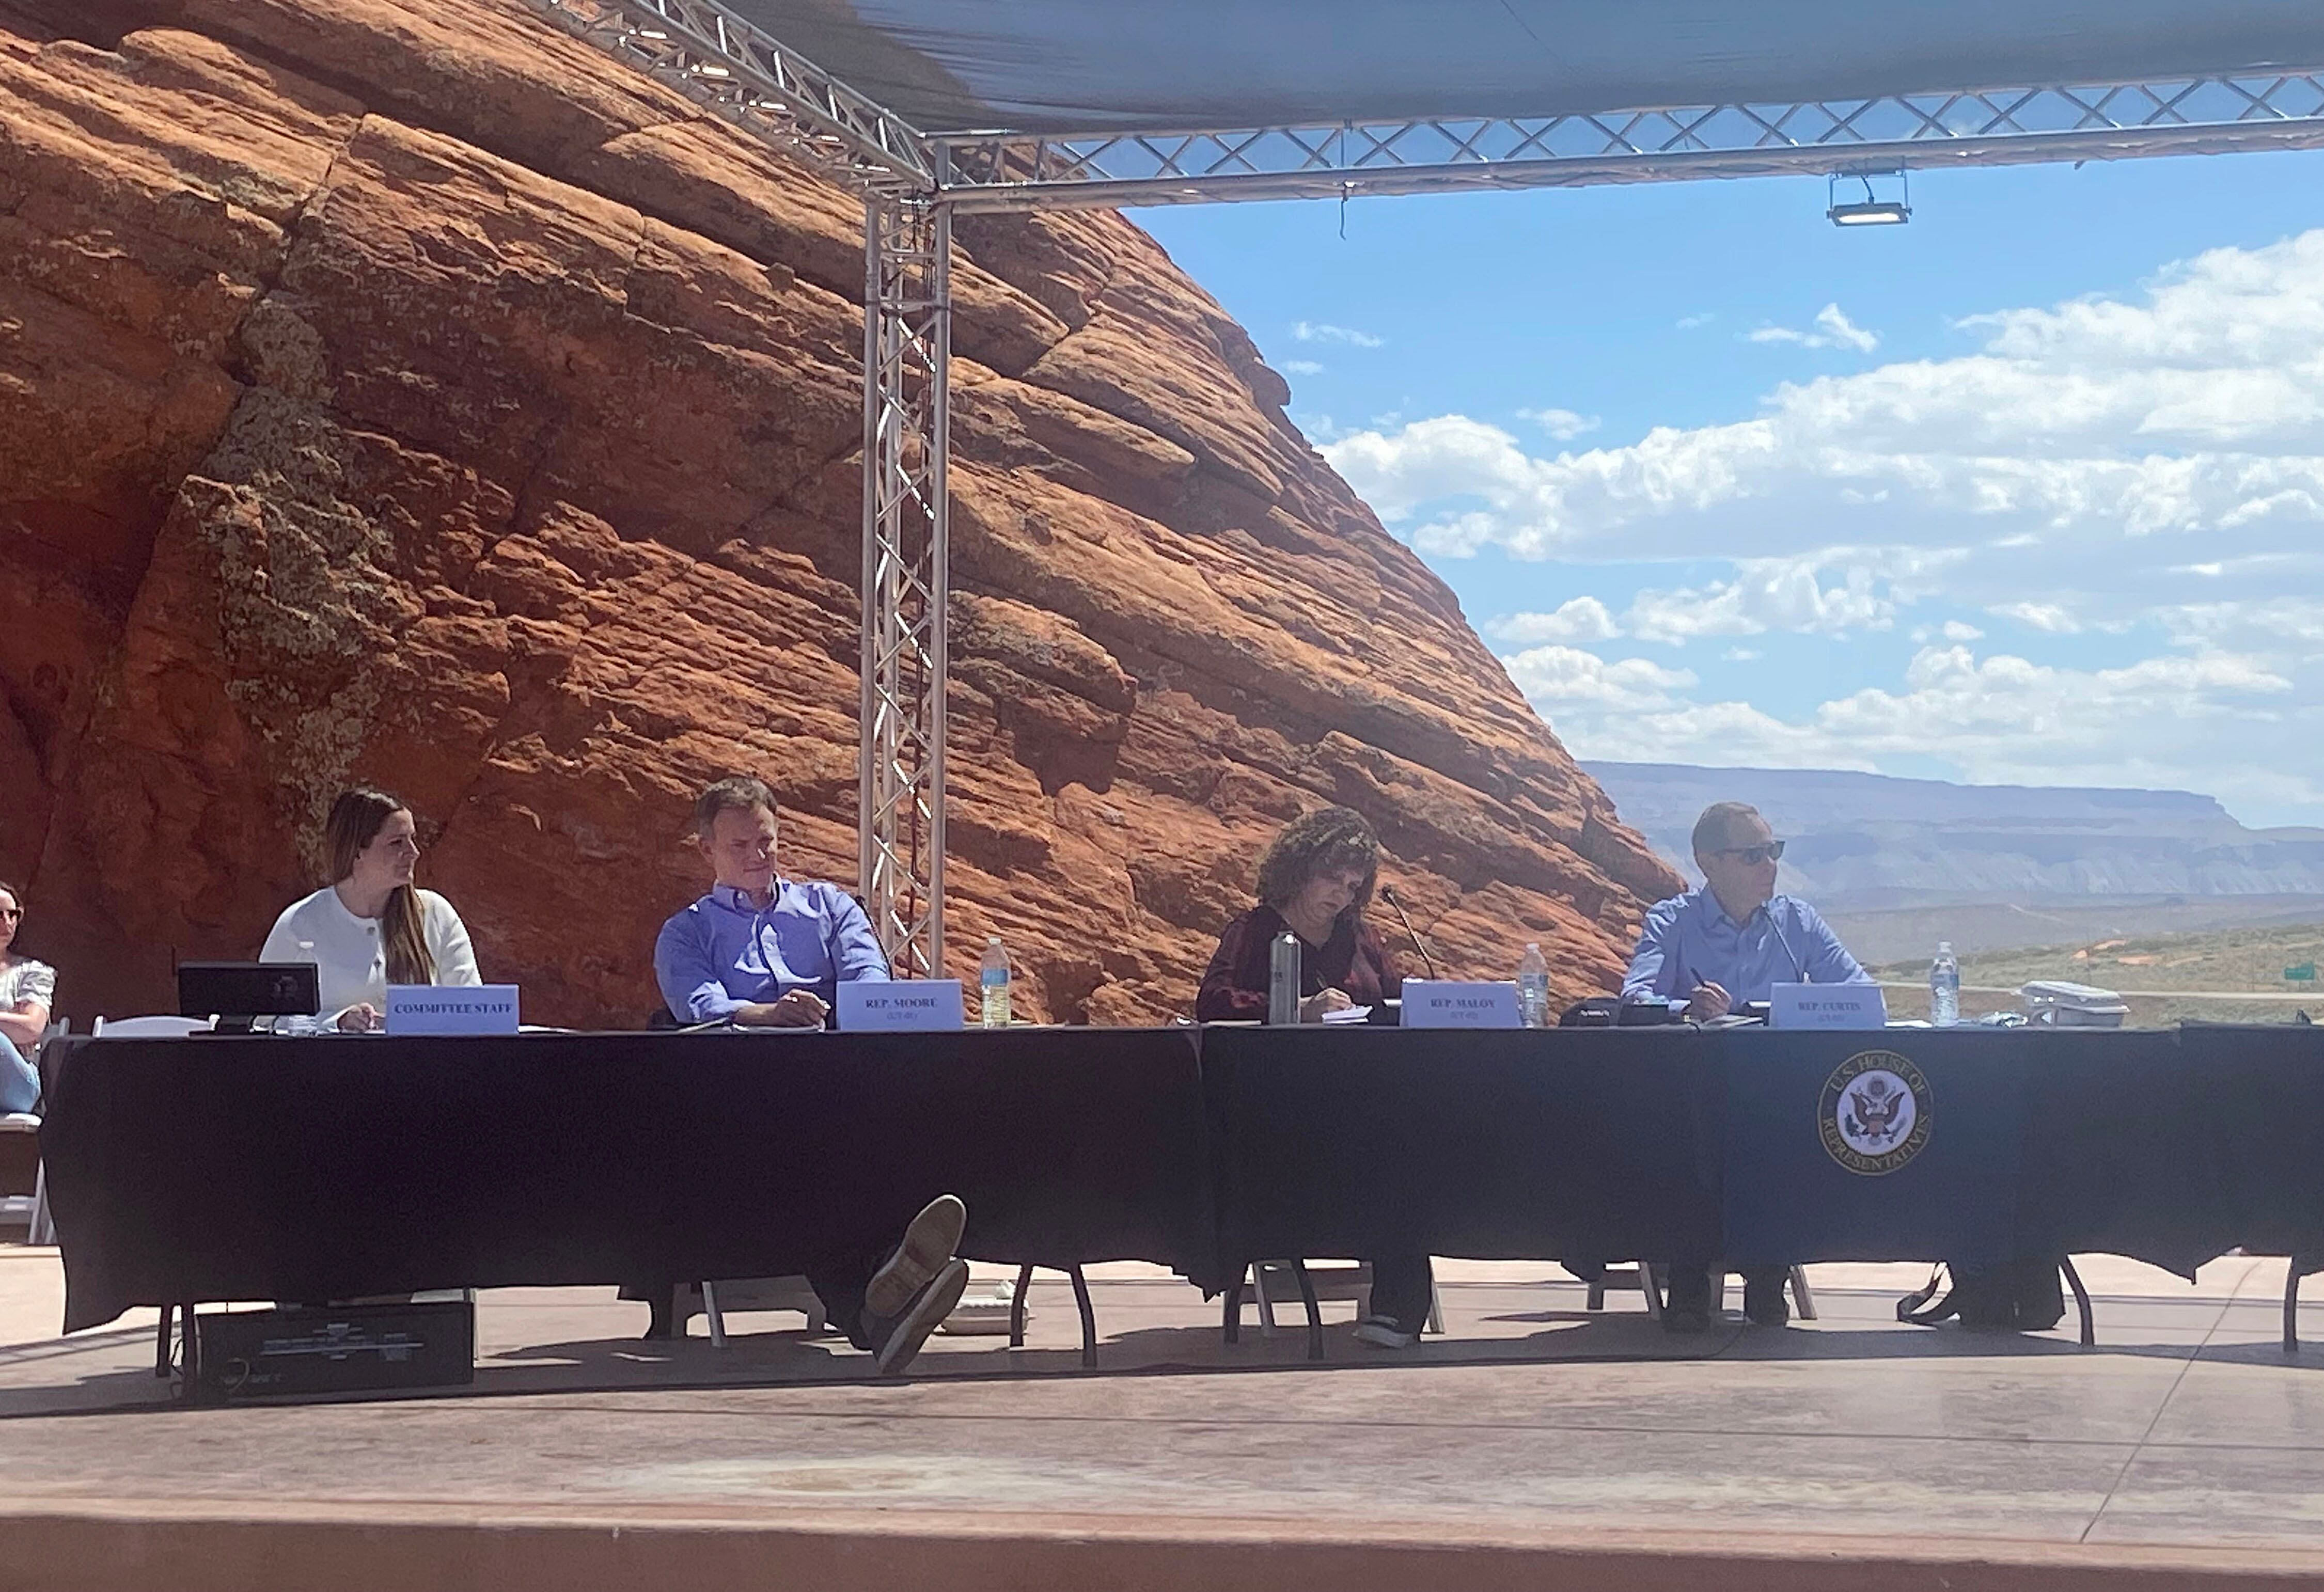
(1350, 1280)
(714, 1300)
(157, 1027)
(1019, 1301)
(1650, 1282)
(20, 1162)
(23, 1181)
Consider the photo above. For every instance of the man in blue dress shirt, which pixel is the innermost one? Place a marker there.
(1716, 949)
(766, 951)
(1733, 940)
(759, 950)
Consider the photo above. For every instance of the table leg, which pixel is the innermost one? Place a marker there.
(161, 1343)
(190, 1352)
(1089, 1319)
(1017, 1306)
(2291, 1274)
(1315, 1310)
(2082, 1301)
(1230, 1312)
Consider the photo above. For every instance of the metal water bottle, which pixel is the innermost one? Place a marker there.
(1283, 980)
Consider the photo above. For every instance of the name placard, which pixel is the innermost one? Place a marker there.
(1450, 1003)
(451, 1009)
(1826, 1006)
(872, 1006)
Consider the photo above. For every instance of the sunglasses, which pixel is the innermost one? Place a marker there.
(1755, 855)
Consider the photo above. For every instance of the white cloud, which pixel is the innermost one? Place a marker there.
(1563, 425)
(2042, 616)
(2180, 720)
(2148, 468)
(2292, 624)
(1308, 331)
(1833, 330)
(1739, 655)
(1790, 595)
(1567, 675)
(1302, 367)
(2193, 415)
(1580, 619)
(1687, 323)
(1766, 594)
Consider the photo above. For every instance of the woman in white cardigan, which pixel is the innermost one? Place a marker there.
(371, 926)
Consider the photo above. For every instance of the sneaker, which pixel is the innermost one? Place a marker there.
(922, 1316)
(1382, 1332)
(929, 1241)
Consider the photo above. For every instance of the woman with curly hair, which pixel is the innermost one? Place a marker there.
(1315, 879)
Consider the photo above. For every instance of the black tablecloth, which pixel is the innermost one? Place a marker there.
(1570, 1144)
(266, 1168)
(277, 1168)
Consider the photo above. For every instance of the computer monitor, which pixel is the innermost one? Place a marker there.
(237, 991)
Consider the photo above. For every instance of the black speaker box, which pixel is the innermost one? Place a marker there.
(309, 1349)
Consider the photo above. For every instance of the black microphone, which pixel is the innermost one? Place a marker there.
(1388, 894)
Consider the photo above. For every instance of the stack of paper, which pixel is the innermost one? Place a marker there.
(2061, 1003)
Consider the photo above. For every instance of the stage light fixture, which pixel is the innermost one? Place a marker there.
(1871, 210)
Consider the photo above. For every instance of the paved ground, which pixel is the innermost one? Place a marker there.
(2188, 1437)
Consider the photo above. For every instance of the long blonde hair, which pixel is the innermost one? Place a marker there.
(356, 818)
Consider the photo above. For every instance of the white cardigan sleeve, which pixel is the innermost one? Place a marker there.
(448, 940)
(282, 939)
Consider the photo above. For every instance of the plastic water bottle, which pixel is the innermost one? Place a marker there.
(1533, 988)
(992, 984)
(1945, 987)
(1283, 980)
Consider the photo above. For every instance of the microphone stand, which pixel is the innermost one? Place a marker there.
(1798, 968)
(1388, 894)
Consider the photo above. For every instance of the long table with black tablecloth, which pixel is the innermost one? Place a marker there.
(262, 1167)
(253, 1168)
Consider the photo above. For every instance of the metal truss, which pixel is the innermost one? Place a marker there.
(913, 184)
(2203, 116)
(906, 586)
(731, 66)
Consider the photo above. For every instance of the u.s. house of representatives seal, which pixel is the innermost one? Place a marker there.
(1876, 1112)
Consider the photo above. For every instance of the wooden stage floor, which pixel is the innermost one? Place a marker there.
(1534, 1446)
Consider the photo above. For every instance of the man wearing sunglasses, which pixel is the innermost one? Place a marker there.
(1734, 939)
(1716, 949)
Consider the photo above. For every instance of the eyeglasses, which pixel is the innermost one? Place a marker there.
(1755, 855)
(13, 913)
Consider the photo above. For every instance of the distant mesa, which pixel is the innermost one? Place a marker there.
(1907, 862)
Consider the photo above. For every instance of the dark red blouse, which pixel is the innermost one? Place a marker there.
(1353, 959)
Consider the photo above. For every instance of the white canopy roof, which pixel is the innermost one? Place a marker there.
(949, 67)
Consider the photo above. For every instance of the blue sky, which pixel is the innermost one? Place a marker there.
(2030, 489)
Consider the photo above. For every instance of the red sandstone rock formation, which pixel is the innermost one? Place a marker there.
(401, 391)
